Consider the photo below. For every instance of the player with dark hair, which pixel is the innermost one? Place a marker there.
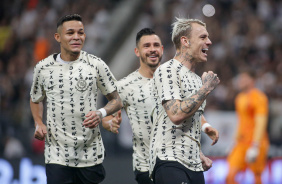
(135, 93)
(70, 80)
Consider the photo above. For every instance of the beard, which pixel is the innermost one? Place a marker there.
(151, 65)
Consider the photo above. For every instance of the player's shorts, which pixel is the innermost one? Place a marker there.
(236, 158)
(168, 172)
(143, 177)
(74, 175)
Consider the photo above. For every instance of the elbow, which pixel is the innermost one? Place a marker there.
(176, 120)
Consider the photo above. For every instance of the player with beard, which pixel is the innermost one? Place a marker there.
(135, 93)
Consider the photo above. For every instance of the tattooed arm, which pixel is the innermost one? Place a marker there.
(114, 103)
(93, 118)
(178, 110)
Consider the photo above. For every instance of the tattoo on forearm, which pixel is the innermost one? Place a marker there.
(114, 99)
(189, 105)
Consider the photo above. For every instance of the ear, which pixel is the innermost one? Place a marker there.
(162, 49)
(185, 41)
(57, 37)
(136, 51)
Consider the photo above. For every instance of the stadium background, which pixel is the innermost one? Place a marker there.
(244, 33)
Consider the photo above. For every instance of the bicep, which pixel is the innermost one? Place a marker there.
(171, 106)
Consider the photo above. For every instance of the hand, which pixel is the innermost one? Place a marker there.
(206, 162)
(252, 154)
(40, 132)
(93, 118)
(210, 80)
(213, 134)
(115, 122)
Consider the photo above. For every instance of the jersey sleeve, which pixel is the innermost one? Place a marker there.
(37, 92)
(167, 84)
(106, 80)
(121, 88)
(260, 103)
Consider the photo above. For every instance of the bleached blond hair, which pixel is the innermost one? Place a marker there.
(182, 27)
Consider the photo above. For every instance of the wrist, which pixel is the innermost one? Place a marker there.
(205, 126)
(103, 112)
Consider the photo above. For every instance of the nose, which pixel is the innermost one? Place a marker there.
(76, 36)
(152, 48)
(208, 42)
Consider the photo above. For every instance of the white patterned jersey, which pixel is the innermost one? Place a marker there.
(71, 91)
(173, 142)
(134, 91)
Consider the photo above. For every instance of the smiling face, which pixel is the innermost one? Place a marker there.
(149, 50)
(71, 37)
(199, 42)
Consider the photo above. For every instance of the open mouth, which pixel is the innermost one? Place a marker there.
(205, 51)
(154, 57)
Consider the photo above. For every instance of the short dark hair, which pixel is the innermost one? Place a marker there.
(69, 17)
(143, 32)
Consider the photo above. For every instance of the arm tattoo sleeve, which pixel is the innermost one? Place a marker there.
(190, 105)
(114, 102)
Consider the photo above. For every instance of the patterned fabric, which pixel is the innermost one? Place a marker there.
(134, 90)
(173, 142)
(71, 91)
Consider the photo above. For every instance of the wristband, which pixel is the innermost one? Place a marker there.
(103, 112)
(205, 125)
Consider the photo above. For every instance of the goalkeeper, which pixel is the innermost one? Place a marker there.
(251, 138)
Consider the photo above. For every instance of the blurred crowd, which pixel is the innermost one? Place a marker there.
(244, 34)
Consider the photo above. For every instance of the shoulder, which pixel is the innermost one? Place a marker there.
(45, 63)
(167, 66)
(130, 79)
(91, 58)
(258, 94)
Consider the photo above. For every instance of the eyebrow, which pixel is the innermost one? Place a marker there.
(70, 29)
(204, 34)
(151, 43)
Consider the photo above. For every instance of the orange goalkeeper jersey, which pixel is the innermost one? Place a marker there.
(248, 105)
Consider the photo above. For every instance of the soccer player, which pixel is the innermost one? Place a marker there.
(70, 80)
(135, 93)
(179, 95)
(252, 142)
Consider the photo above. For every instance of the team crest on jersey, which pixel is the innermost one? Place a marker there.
(81, 85)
